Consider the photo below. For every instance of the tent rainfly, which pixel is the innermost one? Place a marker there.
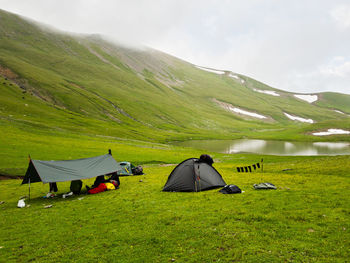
(192, 175)
(69, 170)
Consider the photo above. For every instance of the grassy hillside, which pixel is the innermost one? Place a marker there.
(127, 90)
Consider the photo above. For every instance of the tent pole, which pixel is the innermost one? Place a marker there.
(262, 167)
(29, 176)
(29, 188)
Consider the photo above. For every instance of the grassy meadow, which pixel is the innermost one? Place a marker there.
(305, 220)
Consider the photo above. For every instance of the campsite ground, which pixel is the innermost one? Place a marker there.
(305, 220)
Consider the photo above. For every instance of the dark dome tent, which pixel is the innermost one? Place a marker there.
(192, 175)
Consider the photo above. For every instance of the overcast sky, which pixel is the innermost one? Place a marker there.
(297, 45)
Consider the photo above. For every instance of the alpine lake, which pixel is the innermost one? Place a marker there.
(269, 147)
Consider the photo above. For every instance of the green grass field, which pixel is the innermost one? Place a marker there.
(305, 220)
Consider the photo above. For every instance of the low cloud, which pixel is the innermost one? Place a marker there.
(341, 14)
(290, 45)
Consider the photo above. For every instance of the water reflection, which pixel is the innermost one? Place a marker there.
(270, 147)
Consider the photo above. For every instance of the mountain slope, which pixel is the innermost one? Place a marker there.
(85, 84)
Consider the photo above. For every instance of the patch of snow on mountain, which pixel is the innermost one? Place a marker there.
(296, 118)
(244, 112)
(219, 72)
(331, 132)
(236, 77)
(340, 112)
(269, 92)
(308, 98)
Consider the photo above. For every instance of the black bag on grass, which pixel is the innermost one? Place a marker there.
(75, 186)
(138, 170)
(231, 189)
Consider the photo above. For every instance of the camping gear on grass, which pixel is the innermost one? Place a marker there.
(264, 186)
(99, 179)
(21, 203)
(138, 170)
(53, 187)
(127, 168)
(67, 194)
(110, 186)
(249, 168)
(230, 189)
(103, 187)
(75, 186)
(205, 158)
(192, 175)
(49, 195)
(69, 170)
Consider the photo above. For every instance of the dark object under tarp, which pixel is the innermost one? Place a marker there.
(192, 175)
(70, 170)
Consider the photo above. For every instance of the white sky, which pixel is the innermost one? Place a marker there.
(300, 46)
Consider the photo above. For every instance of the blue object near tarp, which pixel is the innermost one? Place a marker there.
(125, 169)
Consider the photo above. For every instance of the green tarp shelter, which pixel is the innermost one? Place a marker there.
(70, 170)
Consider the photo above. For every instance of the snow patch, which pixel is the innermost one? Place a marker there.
(231, 108)
(231, 75)
(219, 72)
(269, 92)
(296, 118)
(244, 112)
(308, 98)
(339, 111)
(342, 113)
(331, 132)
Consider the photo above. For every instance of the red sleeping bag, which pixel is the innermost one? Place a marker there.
(100, 188)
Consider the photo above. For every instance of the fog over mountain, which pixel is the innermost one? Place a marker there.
(299, 46)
